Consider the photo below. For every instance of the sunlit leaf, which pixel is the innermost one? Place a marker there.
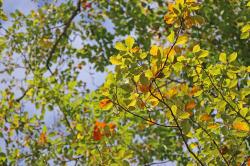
(154, 50)
(203, 54)
(104, 103)
(196, 48)
(129, 41)
(232, 57)
(171, 37)
(223, 58)
(241, 126)
(182, 40)
(120, 46)
(116, 60)
(190, 105)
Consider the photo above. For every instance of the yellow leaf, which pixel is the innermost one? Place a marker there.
(191, 1)
(30, 92)
(120, 46)
(196, 48)
(223, 57)
(193, 145)
(116, 60)
(171, 92)
(182, 40)
(179, 2)
(129, 41)
(149, 74)
(132, 103)
(245, 28)
(171, 37)
(213, 126)
(203, 54)
(170, 54)
(248, 4)
(232, 57)
(79, 136)
(185, 115)
(241, 126)
(154, 50)
(143, 55)
(174, 109)
(154, 102)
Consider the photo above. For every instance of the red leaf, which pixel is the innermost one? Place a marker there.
(97, 135)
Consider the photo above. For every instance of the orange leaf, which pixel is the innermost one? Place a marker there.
(42, 139)
(248, 162)
(143, 88)
(171, 92)
(104, 102)
(189, 106)
(171, 7)
(112, 126)
(135, 49)
(205, 117)
(194, 90)
(141, 104)
(100, 124)
(241, 126)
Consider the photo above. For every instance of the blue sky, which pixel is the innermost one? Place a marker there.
(92, 78)
(26, 6)
(88, 74)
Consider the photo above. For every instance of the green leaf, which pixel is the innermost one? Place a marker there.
(144, 80)
(79, 127)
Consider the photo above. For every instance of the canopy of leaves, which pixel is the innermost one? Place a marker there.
(179, 91)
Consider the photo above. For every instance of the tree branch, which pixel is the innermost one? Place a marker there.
(64, 32)
(177, 123)
(132, 113)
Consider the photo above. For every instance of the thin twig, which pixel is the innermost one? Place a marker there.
(64, 32)
(178, 125)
